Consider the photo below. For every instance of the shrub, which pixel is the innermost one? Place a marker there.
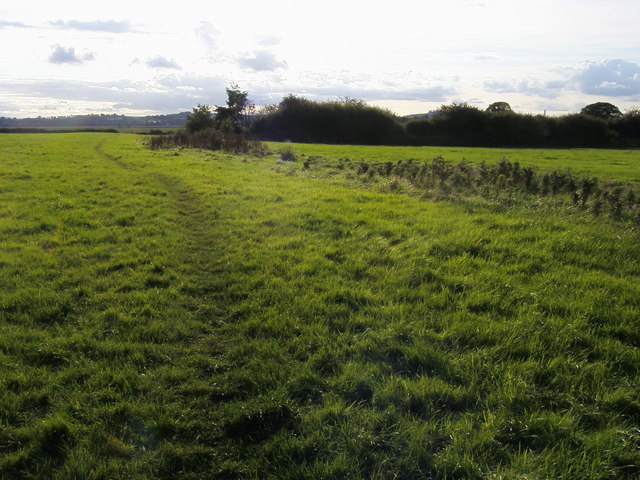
(200, 119)
(620, 201)
(209, 139)
(287, 154)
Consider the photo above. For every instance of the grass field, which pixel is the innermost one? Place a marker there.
(189, 314)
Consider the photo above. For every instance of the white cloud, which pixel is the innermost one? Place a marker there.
(164, 95)
(261, 61)
(7, 107)
(208, 34)
(68, 55)
(485, 57)
(394, 53)
(162, 62)
(268, 40)
(437, 93)
(530, 87)
(400, 87)
(10, 24)
(211, 39)
(209, 86)
(111, 26)
(612, 78)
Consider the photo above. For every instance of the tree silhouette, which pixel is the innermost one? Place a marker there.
(200, 119)
(499, 107)
(234, 117)
(604, 110)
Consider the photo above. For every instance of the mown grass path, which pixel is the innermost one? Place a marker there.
(186, 314)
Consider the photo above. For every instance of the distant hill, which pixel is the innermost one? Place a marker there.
(97, 121)
(419, 116)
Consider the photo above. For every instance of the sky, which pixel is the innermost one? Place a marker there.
(140, 57)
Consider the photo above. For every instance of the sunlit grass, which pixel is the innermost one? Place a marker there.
(185, 314)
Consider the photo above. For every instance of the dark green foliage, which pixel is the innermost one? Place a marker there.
(200, 119)
(581, 131)
(348, 121)
(461, 124)
(234, 118)
(222, 131)
(628, 128)
(353, 122)
(499, 107)
(603, 110)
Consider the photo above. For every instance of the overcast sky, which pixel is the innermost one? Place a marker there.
(139, 57)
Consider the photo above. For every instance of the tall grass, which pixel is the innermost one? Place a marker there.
(505, 180)
(210, 139)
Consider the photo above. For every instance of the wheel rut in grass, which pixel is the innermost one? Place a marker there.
(190, 216)
(99, 149)
(187, 206)
(199, 251)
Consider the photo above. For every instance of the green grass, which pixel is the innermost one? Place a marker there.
(187, 314)
(606, 164)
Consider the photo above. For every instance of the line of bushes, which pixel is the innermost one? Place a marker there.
(465, 125)
(354, 122)
(347, 121)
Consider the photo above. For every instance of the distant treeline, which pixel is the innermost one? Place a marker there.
(90, 121)
(354, 122)
(59, 130)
